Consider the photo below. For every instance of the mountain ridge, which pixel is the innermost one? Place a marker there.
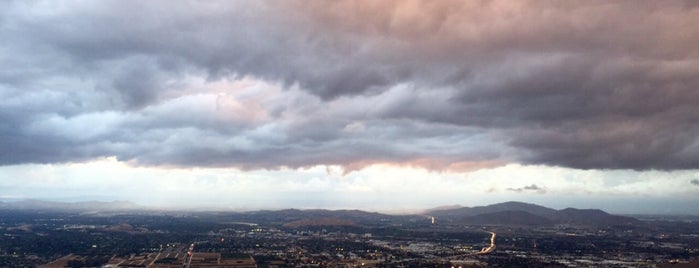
(506, 213)
(511, 213)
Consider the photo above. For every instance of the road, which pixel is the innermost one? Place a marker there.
(491, 247)
(188, 257)
(483, 251)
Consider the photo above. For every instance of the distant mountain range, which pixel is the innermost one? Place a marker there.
(319, 217)
(518, 213)
(508, 213)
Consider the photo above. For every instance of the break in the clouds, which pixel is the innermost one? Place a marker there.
(445, 85)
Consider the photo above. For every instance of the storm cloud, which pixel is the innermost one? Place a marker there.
(263, 84)
(528, 188)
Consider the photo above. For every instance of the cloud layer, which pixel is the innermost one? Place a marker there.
(529, 188)
(442, 85)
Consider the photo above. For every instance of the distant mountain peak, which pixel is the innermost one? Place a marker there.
(513, 212)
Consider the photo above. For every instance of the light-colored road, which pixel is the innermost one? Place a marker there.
(188, 257)
(491, 247)
(485, 250)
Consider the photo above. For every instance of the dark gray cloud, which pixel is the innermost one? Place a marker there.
(528, 188)
(578, 84)
(695, 182)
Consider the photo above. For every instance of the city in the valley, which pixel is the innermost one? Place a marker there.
(510, 234)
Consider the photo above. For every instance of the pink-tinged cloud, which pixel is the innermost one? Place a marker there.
(447, 85)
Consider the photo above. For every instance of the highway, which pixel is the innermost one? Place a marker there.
(484, 250)
(188, 258)
(491, 247)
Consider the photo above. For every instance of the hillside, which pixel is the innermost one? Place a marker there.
(529, 214)
(508, 218)
(507, 213)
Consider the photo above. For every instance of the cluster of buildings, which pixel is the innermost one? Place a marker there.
(160, 260)
(255, 246)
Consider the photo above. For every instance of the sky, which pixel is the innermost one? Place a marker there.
(376, 105)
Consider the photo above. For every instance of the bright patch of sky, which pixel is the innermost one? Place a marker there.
(378, 187)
